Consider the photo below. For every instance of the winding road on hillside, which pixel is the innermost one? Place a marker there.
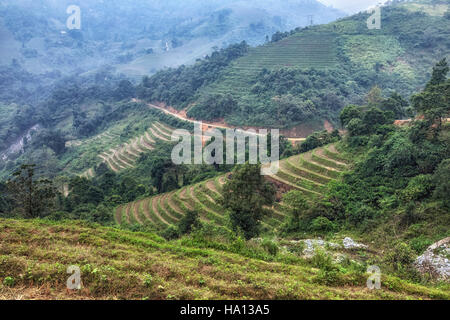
(206, 125)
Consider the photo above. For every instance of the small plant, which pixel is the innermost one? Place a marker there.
(322, 261)
(148, 281)
(298, 248)
(9, 281)
(420, 244)
(329, 273)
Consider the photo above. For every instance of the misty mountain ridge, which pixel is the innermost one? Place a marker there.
(119, 32)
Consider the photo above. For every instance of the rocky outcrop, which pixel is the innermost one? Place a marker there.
(18, 146)
(435, 260)
(312, 244)
(349, 244)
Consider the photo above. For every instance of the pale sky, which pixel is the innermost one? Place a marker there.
(352, 6)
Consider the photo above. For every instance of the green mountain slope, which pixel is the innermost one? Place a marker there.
(311, 73)
(308, 173)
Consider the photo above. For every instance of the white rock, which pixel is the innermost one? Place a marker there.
(434, 261)
(312, 244)
(348, 243)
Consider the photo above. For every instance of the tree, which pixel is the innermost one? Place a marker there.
(434, 102)
(125, 90)
(374, 98)
(188, 222)
(55, 140)
(396, 104)
(348, 113)
(5, 201)
(83, 192)
(297, 205)
(439, 74)
(442, 181)
(373, 118)
(245, 195)
(33, 198)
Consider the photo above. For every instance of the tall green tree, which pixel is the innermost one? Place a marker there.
(442, 182)
(434, 102)
(33, 197)
(245, 195)
(297, 206)
(439, 74)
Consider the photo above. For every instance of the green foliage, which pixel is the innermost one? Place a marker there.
(32, 197)
(329, 273)
(188, 222)
(170, 233)
(54, 140)
(319, 139)
(9, 281)
(310, 74)
(420, 244)
(419, 188)
(213, 107)
(177, 87)
(296, 205)
(322, 224)
(400, 258)
(270, 246)
(441, 179)
(244, 195)
(148, 281)
(439, 74)
(125, 90)
(434, 102)
(348, 113)
(397, 168)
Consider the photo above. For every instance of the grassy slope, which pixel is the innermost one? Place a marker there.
(116, 264)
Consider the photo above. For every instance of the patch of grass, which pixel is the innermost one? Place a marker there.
(139, 265)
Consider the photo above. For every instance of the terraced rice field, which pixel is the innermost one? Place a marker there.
(125, 156)
(316, 50)
(308, 173)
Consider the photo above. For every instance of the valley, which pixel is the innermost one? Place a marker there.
(100, 201)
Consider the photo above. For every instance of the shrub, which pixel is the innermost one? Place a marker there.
(322, 260)
(188, 222)
(420, 244)
(401, 257)
(322, 224)
(418, 188)
(170, 233)
(329, 273)
(329, 277)
(270, 246)
(361, 214)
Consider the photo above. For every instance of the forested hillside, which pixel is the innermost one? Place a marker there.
(312, 73)
(134, 37)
